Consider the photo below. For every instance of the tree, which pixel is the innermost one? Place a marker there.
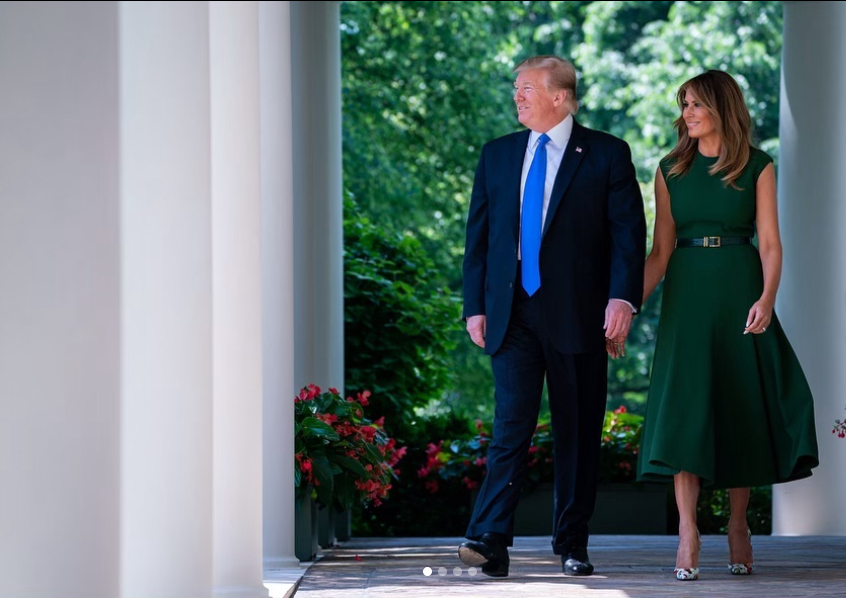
(397, 319)
(426, 84)
(632, 72)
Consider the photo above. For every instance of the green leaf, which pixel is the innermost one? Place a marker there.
(324, 476)
(352, 466)
(311, 426)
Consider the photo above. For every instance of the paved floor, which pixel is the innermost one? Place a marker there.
(627, 567)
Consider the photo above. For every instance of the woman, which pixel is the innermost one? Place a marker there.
(728, 406)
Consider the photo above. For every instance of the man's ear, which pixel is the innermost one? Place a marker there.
(560, 97)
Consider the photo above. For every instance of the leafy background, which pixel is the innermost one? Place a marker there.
(425, 85)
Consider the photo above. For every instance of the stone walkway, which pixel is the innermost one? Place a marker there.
(626, 567)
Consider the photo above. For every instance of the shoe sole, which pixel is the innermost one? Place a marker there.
(497, 573)
(470, 557)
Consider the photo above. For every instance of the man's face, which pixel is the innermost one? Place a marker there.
(537, 106)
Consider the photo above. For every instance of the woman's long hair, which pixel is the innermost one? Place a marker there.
(721, 96)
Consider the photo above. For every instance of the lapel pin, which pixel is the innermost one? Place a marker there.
(578, 150)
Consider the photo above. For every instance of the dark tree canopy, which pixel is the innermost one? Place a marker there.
(425, 84)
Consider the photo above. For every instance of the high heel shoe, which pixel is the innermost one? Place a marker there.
(692, 573)
(743, 568)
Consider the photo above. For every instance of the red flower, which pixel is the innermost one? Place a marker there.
(339, 453)
(463, 461)
(839, 428)
(306, 467)
(329, 418)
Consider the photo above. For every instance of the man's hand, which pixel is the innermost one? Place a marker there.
(476, 329)
(618, 320)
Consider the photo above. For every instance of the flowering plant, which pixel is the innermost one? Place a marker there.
(839, 428)
(464, 460)
(621, 435)
(340, 455)
(621, 432)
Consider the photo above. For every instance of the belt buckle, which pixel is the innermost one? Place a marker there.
(711, 241)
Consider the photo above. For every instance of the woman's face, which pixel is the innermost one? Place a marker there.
(696, 117)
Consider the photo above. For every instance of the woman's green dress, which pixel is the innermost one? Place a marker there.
(734, 409)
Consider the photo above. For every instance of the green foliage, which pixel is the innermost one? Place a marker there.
(714, 508)
(427, 84)
(411, 511)
(628, 376)
(636, 54)
(621, 433)
(398, 321)
(462, 461)
(341, 456)
(456, 461)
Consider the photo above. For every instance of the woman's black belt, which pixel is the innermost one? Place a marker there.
(713, 241)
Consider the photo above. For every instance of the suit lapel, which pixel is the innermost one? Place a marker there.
(515, 174)
(573, 155)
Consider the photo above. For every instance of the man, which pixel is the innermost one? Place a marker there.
(553, 268)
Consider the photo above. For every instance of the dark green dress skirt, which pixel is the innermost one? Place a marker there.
(734, 409)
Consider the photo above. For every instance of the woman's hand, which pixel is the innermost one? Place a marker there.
(760, 316)
(615, 349)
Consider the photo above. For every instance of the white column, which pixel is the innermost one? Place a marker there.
(236, 289)
(812, 214)
(318, 209)
(277, 234)
(60, 301)
(166, 295)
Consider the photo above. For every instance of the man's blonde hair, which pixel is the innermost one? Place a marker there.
(561, 75)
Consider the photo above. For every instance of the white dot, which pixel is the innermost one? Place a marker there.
(441, 571)
(427, 571)
(457, 571)
(471, 571)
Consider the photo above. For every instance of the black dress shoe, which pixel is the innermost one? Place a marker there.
(489, 551)
(576, 562)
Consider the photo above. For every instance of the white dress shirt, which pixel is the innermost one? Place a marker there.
(559, 136)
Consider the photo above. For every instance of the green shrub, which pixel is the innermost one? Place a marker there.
(398, 319)
(411, 510)
(714, 509)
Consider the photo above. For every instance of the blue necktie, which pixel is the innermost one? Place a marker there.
(532, 219)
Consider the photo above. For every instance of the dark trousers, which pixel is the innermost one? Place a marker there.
(577, 386)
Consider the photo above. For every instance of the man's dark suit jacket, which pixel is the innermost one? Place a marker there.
(593, 245)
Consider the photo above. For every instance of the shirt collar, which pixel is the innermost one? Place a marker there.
(559, 135)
